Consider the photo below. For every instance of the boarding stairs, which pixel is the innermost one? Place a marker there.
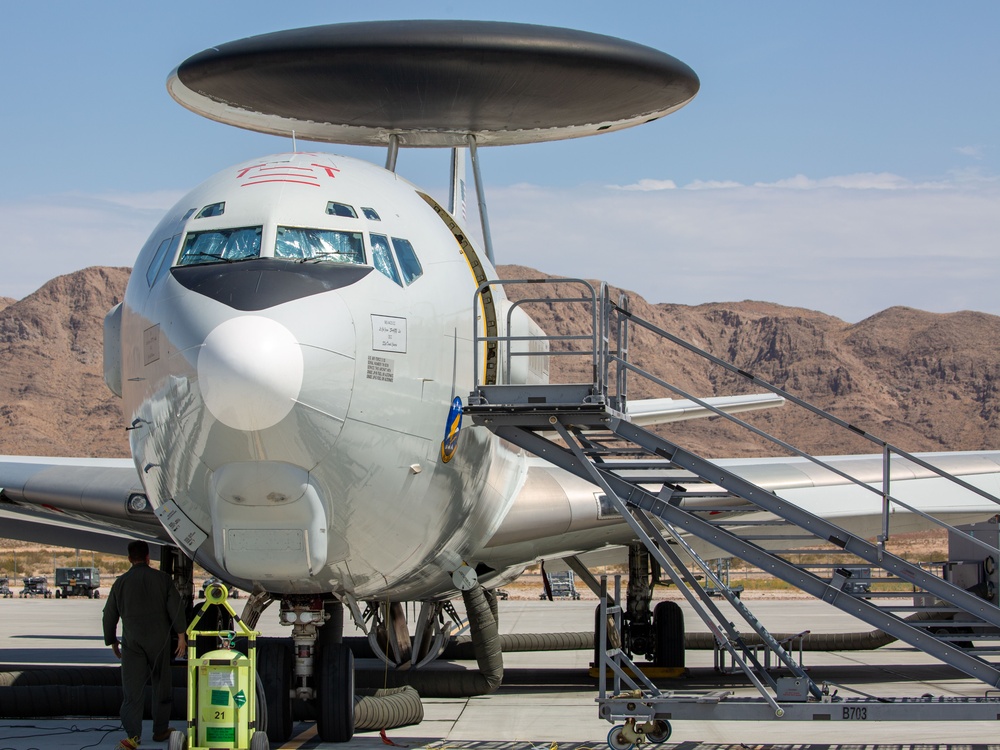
(676, 501)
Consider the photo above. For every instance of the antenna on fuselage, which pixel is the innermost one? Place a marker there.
(484, 219)
(456, 192)
(393, 153)
(295, 148)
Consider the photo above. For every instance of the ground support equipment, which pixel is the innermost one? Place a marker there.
(222, 687)
(36, 586)
(640, 712)
(77, 582)
(673, 500)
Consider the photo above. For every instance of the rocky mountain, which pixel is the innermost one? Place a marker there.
(920, 380)
(53, 401)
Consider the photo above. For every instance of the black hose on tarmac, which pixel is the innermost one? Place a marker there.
(460, 647)
(865, 641)
(50, 701)
(71, 676)
(96, 691)
(386, 709)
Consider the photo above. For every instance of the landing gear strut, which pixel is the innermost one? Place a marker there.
(658, 635)
(639, 637)
(180, 567)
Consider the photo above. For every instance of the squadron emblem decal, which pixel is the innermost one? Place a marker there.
(451, 429)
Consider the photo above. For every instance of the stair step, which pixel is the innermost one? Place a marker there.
(796, 551)
(982, 630)
(912, 608)
(651, 465)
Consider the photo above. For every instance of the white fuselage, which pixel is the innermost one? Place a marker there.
(289, 412)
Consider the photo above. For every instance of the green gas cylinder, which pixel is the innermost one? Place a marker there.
(223, 686)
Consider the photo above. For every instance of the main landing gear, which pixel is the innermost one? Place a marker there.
(657, 635)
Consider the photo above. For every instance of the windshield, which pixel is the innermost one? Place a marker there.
(408, 261)
(382, 257)
(329, 245)
(220, 246)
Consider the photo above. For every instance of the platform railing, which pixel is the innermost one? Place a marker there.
(614, 365)
(587, 298)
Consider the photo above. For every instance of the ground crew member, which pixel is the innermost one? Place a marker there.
(149, 607)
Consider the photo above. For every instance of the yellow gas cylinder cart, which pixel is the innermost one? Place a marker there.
(222, 687)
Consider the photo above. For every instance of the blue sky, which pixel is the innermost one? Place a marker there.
(841, 157)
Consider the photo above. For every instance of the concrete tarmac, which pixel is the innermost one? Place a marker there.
(546, 701)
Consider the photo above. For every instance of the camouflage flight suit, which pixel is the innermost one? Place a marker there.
(150, 609)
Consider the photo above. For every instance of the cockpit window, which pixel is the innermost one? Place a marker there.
(341, 209)
(161, 261)
(220, 246)
(382, 257)
(408, 262)
(327, 245)
(371, 213)
(154, 264)
(212, 209)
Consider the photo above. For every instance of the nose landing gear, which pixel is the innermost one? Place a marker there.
(318, 668)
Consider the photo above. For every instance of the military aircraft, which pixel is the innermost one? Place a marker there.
(297, 339)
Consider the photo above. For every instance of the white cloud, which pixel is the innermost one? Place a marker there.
(647, 185)
(857, 246)
(859, 181)
(712, 185)
(54, 235)
(975, 152)
(846, 245)
(161, 200)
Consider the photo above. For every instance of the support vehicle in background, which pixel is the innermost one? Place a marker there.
(35, 586)
(562, 584)
(5, 591)
(78, 582)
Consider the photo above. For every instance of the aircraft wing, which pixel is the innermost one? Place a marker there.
(96, 504)
(557, 514)
(651, 411)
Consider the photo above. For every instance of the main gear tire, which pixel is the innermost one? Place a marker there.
(668, 629)
(335, 693)
(275, 665)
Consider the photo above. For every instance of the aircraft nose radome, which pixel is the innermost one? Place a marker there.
(250, 369)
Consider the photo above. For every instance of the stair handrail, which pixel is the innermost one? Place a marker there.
(887, 449)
